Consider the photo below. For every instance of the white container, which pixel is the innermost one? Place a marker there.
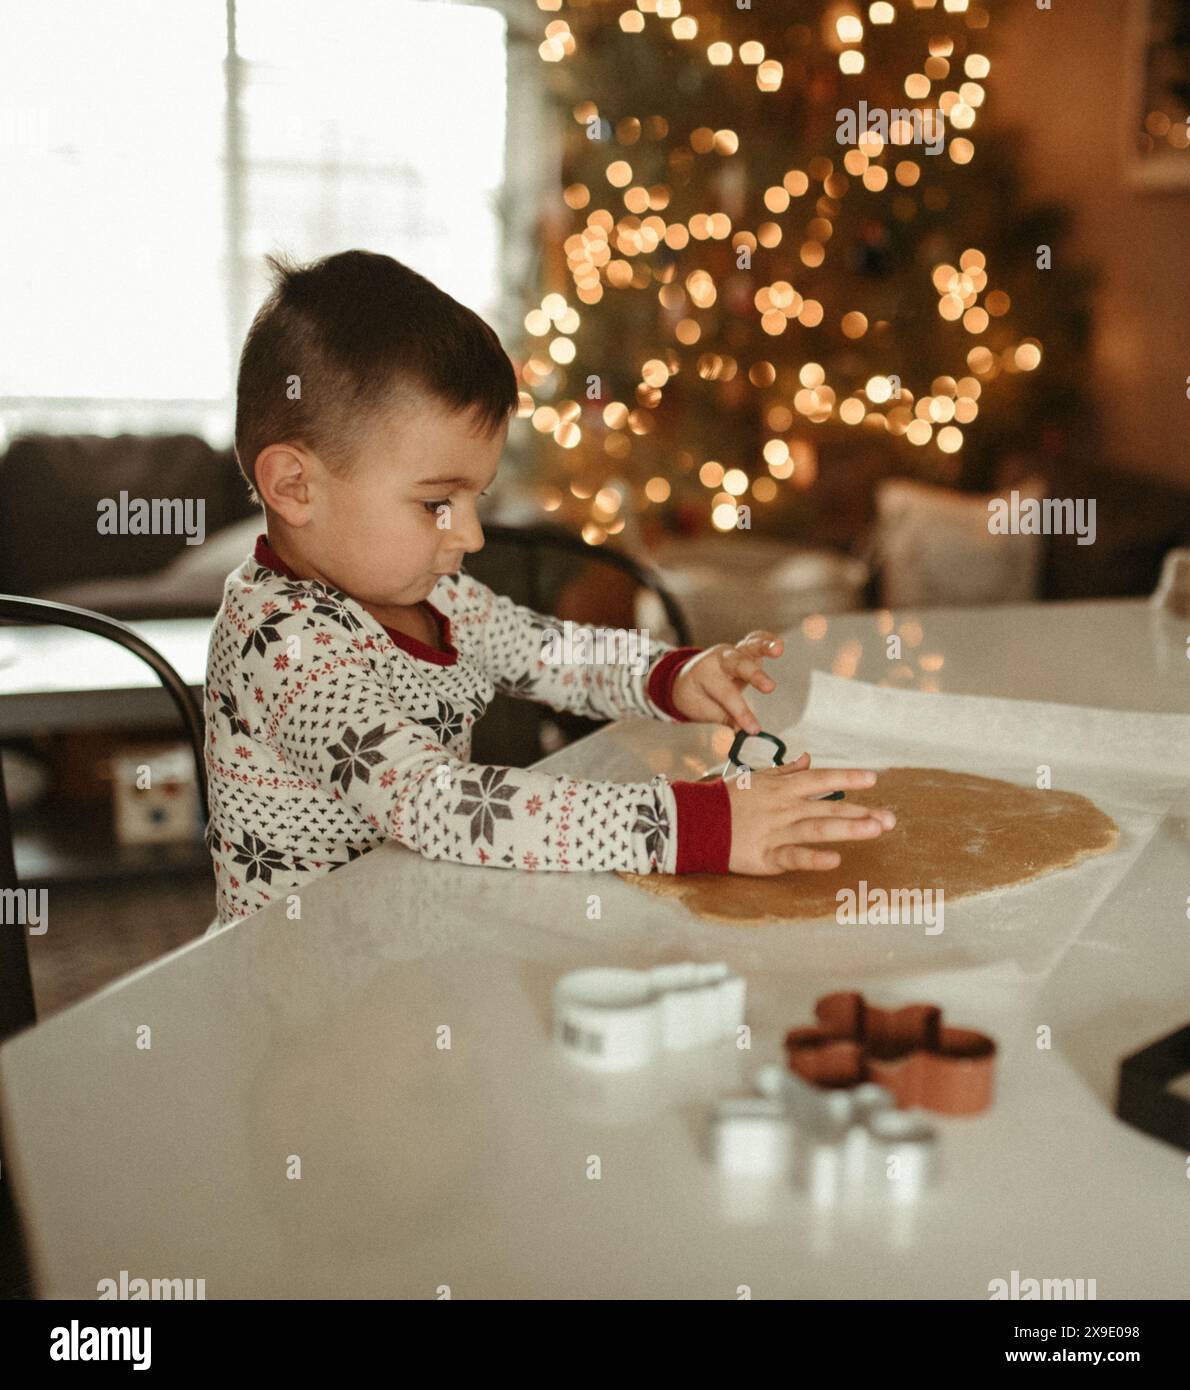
(613, 1019)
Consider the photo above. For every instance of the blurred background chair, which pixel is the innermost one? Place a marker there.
(554, 572)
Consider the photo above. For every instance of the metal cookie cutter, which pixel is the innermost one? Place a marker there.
(838, 1145)
(742, 737)
(735, 760)
(614, 1019)
(1145, 1099)
(948, 1070)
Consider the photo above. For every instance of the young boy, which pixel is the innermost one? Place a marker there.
(353, 653)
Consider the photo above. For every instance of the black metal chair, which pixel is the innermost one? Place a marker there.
(17, 1009)
(536, 542)
(17, 1006)
(529, 564)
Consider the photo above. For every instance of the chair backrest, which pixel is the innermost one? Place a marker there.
(555, 572)
(41, 612)
(16, 992)
(544, 549)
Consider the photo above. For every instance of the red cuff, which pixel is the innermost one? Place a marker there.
(704, 827)
(661, 680)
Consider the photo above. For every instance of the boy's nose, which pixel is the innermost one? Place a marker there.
(469, 547)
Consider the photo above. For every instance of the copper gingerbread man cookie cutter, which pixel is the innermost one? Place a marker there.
(908, 1051)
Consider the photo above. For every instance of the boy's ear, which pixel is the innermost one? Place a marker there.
(283, 480)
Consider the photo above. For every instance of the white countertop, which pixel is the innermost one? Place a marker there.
(468, 1166)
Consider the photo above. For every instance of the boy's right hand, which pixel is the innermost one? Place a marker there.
(772, 820)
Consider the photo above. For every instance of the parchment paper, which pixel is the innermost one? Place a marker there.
(1133, 766)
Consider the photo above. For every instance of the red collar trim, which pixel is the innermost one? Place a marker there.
(265, 555)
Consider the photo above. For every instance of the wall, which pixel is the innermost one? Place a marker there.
(1068, 75)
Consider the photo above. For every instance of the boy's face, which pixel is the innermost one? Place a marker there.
(406, 512)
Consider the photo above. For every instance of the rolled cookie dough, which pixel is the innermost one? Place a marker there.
(955, 831)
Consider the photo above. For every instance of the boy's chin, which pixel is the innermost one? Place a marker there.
(421, 589)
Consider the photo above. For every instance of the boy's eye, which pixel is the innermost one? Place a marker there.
(432, 507)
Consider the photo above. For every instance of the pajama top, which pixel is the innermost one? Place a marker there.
(328, 733)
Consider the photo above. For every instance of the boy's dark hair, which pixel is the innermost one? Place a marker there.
(344, 336)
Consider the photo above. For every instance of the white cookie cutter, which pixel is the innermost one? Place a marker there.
(838, 1145)
(615, 1019)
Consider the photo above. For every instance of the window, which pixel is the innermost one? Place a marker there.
(153, 150)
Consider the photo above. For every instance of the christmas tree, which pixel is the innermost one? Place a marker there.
(785, 247)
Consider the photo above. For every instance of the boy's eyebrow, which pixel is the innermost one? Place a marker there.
(448, 482)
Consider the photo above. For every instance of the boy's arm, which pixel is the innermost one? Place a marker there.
(334, 722)
(517, 643)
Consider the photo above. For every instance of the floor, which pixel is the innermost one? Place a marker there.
(98, 932)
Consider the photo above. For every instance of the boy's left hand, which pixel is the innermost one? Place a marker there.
(709, 687)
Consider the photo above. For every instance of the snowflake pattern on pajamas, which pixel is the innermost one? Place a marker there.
(325, 737)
